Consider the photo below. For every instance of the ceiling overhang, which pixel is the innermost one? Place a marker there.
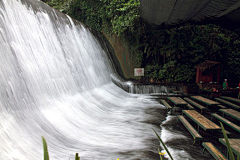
(170, 13)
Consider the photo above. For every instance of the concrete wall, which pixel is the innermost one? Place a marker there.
(125, 58)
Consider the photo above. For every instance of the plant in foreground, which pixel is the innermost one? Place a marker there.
(163, 146)
(45, 151)
(229, 149)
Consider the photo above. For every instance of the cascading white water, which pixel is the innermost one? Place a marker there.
(55, 82)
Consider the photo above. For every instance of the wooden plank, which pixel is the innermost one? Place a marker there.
(190, 128)
(231, 99)
(195, 104)
(234, 143)
(205, 100)
(178, 101)
(166, 104)
(227, 122)
(202, 121)
(222, 106)
(228, 103)
(232, 113)
(190, 106)
(214, 151)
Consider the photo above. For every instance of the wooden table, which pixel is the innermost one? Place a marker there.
(234, 143)
(207, 101)
(209, 93)
(201, 121)
(231, 99)
(231, 113)
(178, 101)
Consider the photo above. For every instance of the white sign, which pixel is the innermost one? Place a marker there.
(138, 72)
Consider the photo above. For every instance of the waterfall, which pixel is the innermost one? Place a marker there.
(55, 82)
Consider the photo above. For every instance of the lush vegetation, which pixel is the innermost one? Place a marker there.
(167, 55)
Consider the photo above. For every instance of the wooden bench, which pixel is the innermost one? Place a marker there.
(213, 151)
(175, 92)
(234, 144)
(190, 107)
(231, 112)
(194, 133)
(166, 104)
(195, 104)
(222, 106)
(227, 103)
(177, 101)
(227, 122)
(231, 99)
(206, 101)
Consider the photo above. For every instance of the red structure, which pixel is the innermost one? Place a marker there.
(208, 71)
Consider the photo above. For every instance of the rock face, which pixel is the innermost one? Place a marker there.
(167, 13)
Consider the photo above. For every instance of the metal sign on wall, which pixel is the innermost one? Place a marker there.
(138, 72)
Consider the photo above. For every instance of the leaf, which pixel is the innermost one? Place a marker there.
(77, 157)
(45, 150)
(231, 156)
(163, 145)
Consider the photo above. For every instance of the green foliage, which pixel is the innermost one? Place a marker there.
(88, 12)
(122, 15)
(61, 5)
(233, 62)
(116, 16)
(184, 73)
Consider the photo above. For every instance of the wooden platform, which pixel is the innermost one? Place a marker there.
(228, 103)
(227, 122)
(234, 143)
(231, 99)
(232, 113)
(201, 121)
(213, 151)
(178, 101)
(189, 127)
(207, 101)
